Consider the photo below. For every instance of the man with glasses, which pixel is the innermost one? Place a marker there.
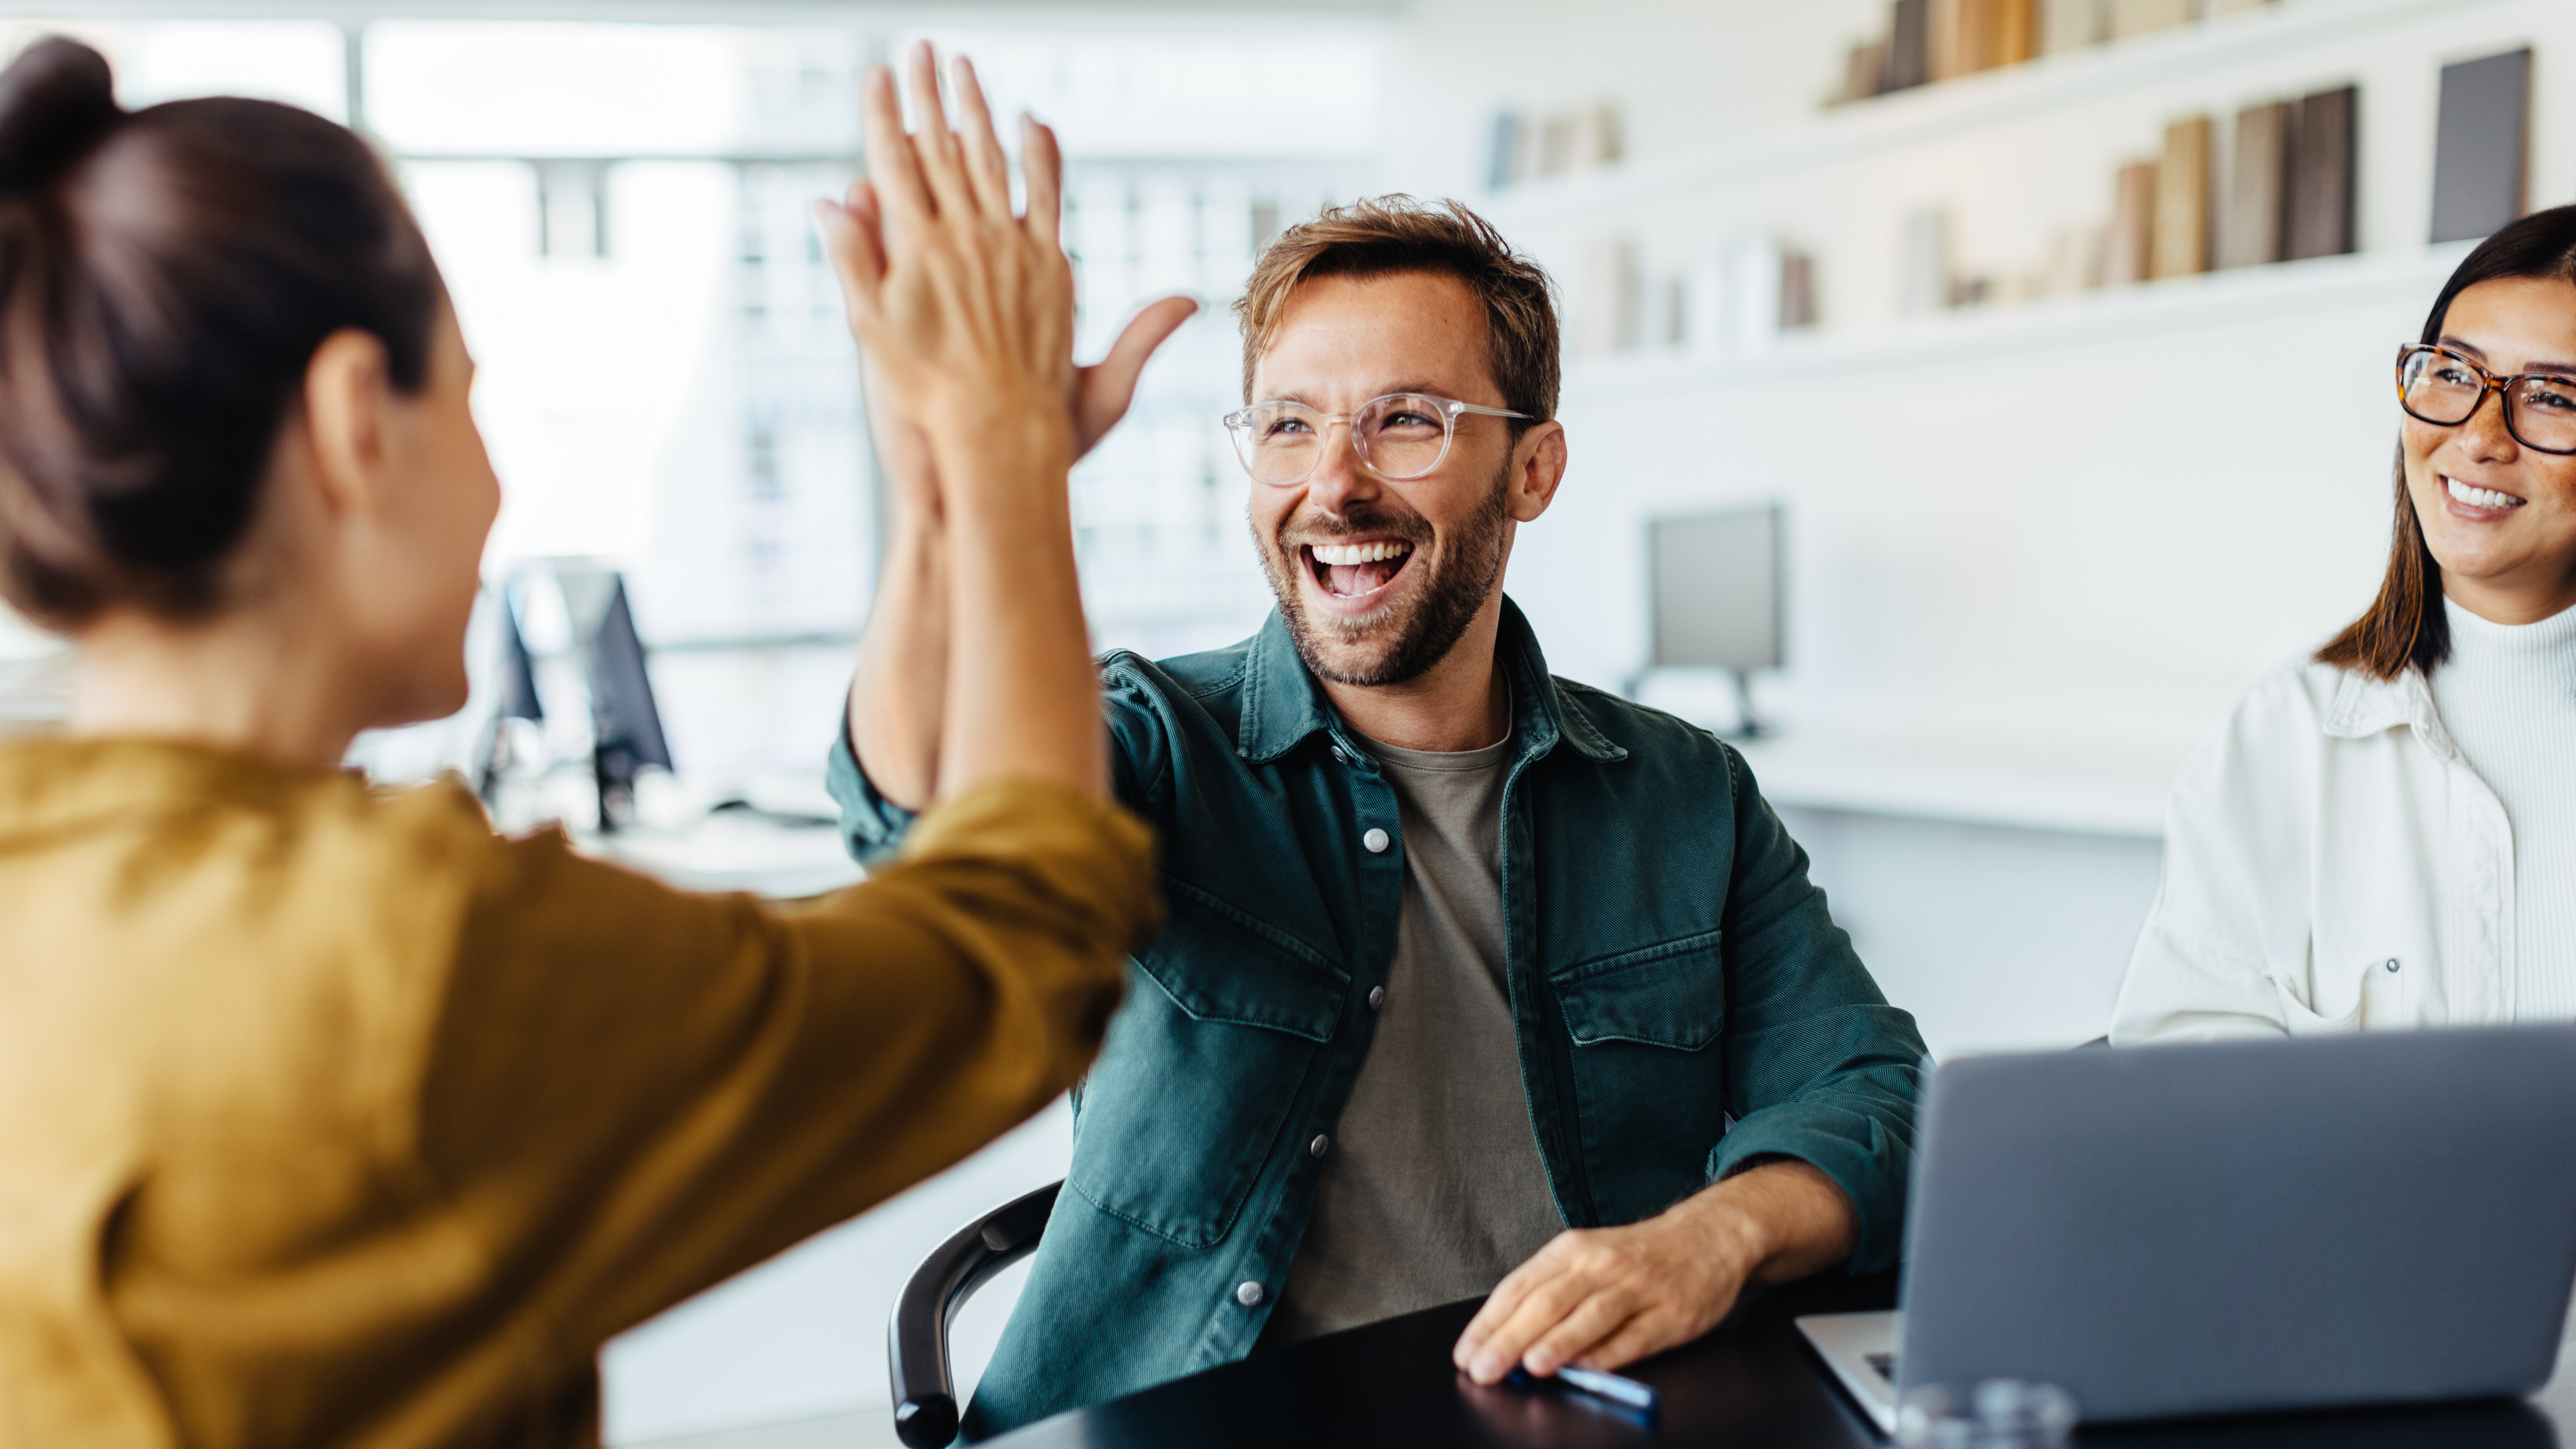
(1475, 980)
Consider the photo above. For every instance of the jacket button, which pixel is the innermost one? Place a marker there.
(1319, 1146)
(1343, 755)
(1376, 840)
(1248, 1294)
(1377, 997)
(2392, 963)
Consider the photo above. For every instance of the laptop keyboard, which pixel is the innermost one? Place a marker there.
(1883, 1363)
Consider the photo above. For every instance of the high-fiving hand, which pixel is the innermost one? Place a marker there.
(860, 229)
(976, 660)
(964, 306)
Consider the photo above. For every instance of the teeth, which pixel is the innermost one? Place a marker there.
(1358, 553)
(2479, 497)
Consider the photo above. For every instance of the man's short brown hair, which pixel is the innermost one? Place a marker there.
(1387, 234)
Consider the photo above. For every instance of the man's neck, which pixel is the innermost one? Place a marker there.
(1460, 703)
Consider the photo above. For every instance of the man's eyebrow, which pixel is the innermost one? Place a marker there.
(1295, 396)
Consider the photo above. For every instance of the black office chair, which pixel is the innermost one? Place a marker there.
(925, 1392)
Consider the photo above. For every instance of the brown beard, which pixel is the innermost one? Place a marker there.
(1420, 633)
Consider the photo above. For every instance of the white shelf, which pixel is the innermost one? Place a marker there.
(2408, 277)
(1969, 781)
(2006, 96)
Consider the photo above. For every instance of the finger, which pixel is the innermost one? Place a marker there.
(1593, 1319)
(1546, 1308)
(1103, 390)
(987, 169)
(1647, 1333)
(857, 257)
(1043, 165)
(1499, 1306)
(941, 168)
(894, 167)
(1542, 1307)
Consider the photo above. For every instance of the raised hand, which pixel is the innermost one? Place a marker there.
(963, 306)
(965, 311)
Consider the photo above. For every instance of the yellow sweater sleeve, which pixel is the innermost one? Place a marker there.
(635, 1092)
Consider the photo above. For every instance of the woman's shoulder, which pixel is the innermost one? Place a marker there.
(2279, 733)
(2294, 700)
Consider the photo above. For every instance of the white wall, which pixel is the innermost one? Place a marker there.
(1683, 74)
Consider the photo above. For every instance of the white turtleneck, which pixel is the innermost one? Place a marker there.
(2507, 694)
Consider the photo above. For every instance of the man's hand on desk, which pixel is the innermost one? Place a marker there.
(1601, 1298)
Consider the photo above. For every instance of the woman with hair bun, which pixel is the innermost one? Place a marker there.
(2386, 836)
(326, 1116)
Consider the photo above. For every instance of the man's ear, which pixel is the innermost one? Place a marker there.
(1538, 466)
(348, 399)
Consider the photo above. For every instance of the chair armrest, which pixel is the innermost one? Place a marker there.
(925, 1392)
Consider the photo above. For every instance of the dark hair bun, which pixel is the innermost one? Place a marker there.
(55, 99)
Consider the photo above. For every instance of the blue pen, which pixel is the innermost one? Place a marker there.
(1625, 1392)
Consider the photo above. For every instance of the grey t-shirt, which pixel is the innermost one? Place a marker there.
(1432, 1186)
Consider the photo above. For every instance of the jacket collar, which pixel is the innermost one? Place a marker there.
(2365, 706)
(1283, 704)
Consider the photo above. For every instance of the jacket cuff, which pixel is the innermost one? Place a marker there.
(872, 827)
(1854, 1148)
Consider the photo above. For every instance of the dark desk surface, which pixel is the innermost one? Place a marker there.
(1752, 1383)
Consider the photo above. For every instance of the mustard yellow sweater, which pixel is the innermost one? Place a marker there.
(327, 1117)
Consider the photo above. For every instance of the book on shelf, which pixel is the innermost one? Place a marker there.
(1612, 300)
(1555, 150)
(1797, 289)
(2321, 171)
(1865, 74)
(1968, 36)
(1508, 164)
(1943, 20)
(2182, 201)
(2142, 17)
(2129, 250)
(2069, 25)
(1599, 138)
(2012, 31)
(1925, 285)
(2481, 145)
(1909, 44)
(2249, 225)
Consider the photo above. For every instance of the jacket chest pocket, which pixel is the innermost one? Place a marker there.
(1649, 1069)
(1202, 1066)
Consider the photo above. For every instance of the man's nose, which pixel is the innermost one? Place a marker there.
(1339, 479)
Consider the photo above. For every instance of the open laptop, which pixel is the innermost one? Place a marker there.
(2226, 1228)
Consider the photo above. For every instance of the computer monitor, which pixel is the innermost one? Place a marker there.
(511, 677)
(626, 727)
(1715, 585)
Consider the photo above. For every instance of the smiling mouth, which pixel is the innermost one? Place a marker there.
(1356, 570)
(2477, 497)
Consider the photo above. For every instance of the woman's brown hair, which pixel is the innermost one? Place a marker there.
(165, 277)
(2406, 626)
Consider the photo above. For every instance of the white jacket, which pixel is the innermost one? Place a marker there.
(2331, 863)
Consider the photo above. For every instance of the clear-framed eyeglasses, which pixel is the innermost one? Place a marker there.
(2439, 386)
(1400, 436)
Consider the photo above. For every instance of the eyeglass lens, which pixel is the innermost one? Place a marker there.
(2540, 411)
(1399, 437)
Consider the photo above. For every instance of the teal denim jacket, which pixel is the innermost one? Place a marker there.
(1684, 1002)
